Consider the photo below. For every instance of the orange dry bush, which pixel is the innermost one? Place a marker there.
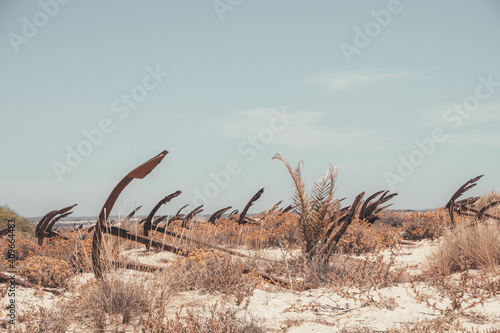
(280, 230)
(23, 248)
(45, 271)
(362, 237)
(420, 225)
(74, 252)
(213, 272)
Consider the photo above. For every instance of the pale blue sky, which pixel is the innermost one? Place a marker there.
(226, 80)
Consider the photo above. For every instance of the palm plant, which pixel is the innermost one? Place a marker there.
(318, 211)
(320, 214)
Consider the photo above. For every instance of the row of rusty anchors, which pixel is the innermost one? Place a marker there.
(102, 227)
(465, 207)
(367, 210)
(243, 218)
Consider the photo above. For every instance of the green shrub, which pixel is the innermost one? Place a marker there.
(22, 224)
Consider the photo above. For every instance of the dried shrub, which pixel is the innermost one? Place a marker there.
(45, 271)
(418, 225)
(218, 319)
(212, 272)
(25, 247)
(361, 237)
(56, 320)
(77, 253)
(34, 319)
(453, 295)
(279, 230)
(22, 224)
(361, 278)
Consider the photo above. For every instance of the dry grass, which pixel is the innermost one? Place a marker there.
(118, 301)
(212, 272)
(472, 246)
(449, 270)
(487, 199)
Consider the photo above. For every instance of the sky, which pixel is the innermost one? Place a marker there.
(400, 95)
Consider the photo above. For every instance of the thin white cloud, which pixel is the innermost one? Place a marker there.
(485, 113)
(307, 130)
(347, 80)
(478, 139)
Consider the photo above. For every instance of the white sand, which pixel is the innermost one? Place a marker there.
(318, 310)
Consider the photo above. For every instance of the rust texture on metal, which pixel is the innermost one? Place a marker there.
(218, 214)
(148, 223)
(51, 224)
(132, 214)
(371, 207)
(190, 215)
(41, 229)
(344, 222)
(482, 212)
(159, 219)
(243, 219)
(234, 212)
(134, 266)
(42, 220)
(177, 216)
(201, 243)
(101, 227)
(125, 234)
(466, 206)
(138, 173)
(366, 210)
